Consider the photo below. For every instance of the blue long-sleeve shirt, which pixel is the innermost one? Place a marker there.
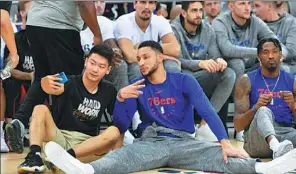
(169, 105)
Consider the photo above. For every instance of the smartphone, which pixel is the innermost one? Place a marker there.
(63, 77)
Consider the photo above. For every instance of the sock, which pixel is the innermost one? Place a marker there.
(2, 122)
(71, 152)
(274, 143)
(35, 149)
(260, 167)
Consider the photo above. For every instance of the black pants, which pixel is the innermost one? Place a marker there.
(54, 51)
(12, 88)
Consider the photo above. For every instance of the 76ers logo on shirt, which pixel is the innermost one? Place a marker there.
(162, 106)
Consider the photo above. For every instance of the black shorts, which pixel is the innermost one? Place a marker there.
(55, 51)
(5, 5)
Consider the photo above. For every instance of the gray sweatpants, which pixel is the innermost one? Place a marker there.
(152, 151)
(217, 86)
(241, 66)
(118, 76)
(289, 67)
(169, 65)
(261, 127)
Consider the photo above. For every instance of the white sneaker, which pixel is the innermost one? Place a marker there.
(240, 136)
(204, 133)
(283, 164)
(4, 147)
(283, 148)
(64, 161)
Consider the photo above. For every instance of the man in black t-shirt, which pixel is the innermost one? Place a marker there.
(78, 106)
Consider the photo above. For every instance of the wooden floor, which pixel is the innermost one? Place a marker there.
(10, 161)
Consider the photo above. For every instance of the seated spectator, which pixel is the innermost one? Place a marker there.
(175, 11)
(265, 105)
(165, 100)
(76, 112)
(118, 75)
(212, 10)
(284, 26)
(22, 75)
(161, 10)
(133, 28)
(238, 32)
(292, 8)
(200, 57)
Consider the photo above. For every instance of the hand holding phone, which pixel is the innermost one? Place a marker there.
(63, 77)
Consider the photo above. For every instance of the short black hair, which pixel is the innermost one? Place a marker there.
(152, 44)
(275, 41)
(185, 4)
(102, 50)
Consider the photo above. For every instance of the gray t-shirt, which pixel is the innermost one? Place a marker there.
(285, 29)
(236, 41)
(56, 15)
(195, 47)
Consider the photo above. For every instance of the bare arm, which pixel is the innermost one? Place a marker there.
(17, 74)
(128, 50)
(88, 14)
(170, 45)
(243, 115)
(8, 36)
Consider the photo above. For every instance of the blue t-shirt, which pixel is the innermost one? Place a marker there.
(280, 109)
(170, 105)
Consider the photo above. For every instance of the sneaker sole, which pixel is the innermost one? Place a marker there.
(286, 165)
(31, 169)
(13, 137)
(61, 159)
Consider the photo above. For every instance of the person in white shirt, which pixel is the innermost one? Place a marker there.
(142, 25)
(118, 75)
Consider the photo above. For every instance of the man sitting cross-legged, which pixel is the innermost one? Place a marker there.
(77, 109)
(164, 101)
(265, 105)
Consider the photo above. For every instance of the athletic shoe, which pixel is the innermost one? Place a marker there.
(33, 164)
(15, 135)
(283, 164)
(66, 162)
(4, 147)
(204, 133)
(284, 147)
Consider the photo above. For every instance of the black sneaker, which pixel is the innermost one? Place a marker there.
(15, 135)
(33, 164)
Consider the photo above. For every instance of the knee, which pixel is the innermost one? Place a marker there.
(230, 74)
(263, 110)
(115, 134)
(39, 112)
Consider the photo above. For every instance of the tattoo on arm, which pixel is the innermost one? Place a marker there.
(242, 91)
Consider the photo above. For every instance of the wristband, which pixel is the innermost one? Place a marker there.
(254, 108)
